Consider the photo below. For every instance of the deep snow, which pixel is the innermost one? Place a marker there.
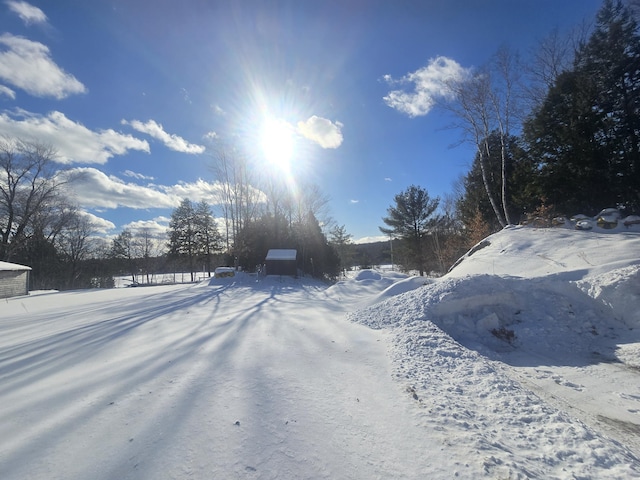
(378, 376)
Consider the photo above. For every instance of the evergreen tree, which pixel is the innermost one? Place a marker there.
(208, 239)
(341, 240)
(318, 257)
(41, 255)
(585, 134)
(611, 59)
(410, 219)
(183, 235)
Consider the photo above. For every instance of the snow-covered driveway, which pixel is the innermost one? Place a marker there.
(250, 380)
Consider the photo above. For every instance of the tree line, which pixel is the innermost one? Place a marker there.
(42, 228)
(558, 136)
(561, 135)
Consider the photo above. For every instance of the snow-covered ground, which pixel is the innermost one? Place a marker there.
(379, 376)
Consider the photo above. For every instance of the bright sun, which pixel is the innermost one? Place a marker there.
(277, 142)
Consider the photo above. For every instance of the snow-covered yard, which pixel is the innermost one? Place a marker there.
(379, 376)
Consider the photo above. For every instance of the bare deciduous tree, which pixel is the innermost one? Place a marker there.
(238, 197)
(30, 187)
(486, 102)
(74, 242)
(553, 55)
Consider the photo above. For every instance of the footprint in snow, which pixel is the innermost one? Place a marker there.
(561, 381)
(628, 396)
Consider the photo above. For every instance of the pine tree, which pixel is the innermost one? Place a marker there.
(341, 240)
(183, 235)
(207, 237)
(410, 219)
(585, 134)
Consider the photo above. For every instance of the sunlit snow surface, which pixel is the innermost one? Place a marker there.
(378, 376)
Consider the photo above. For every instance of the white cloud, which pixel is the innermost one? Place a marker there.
(74, 142)
(27, 65)
(197, 191)
(211, 136)
(156, 228)
(322, 131)
(27, 12)
(185, 95)
(219, 110)
(172, 141)
(92, 188)
(388, 179)
(428, 85)
(8, 92)
(353, 201)
(138, 176)
(100, 225)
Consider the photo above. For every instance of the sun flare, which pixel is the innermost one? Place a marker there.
(277, 142)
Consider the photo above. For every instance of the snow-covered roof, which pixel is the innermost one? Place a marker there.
(4, 266)
(282, 254)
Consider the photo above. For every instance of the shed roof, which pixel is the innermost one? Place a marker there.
(4, 266)
(282, 254)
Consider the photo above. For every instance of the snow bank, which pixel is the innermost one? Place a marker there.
(367, 287)
(492, 351)
(532, 252)
(618, 290)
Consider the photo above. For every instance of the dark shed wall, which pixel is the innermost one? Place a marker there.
(14, 283)
(281, 267)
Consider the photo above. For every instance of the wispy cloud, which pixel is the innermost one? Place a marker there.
(171, 141)
(324, 132)
(138, 176)
(210, 136)
(388, 179)
(27, 65)
(74, 142)
(27, 12)
(425, 86)
(185, 95)
(218, 110)
(352, 201)
(8, 92)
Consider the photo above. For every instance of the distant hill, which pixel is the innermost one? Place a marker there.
(371, 254)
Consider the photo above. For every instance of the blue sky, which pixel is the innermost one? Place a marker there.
(133, 93)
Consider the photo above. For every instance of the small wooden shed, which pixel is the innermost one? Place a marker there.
(14, 280)
(281, 261)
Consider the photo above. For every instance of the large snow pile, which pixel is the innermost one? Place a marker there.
(522, 362)
(533, 329)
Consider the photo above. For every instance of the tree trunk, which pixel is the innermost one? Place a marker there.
(485, 181)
